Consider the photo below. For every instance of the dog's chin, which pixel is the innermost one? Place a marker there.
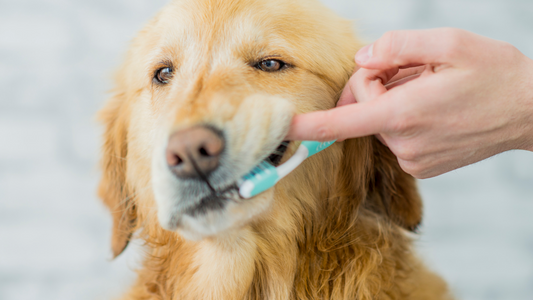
(216, 220)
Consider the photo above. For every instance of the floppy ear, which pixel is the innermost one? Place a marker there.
(373, 170)
(391, 191)
(113, 188)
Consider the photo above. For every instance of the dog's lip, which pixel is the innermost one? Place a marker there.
(215, 200)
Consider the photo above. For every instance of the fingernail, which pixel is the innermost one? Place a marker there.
(365, 54)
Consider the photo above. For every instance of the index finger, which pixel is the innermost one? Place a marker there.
(349, 121)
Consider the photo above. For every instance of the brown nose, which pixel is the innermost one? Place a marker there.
(194, 152)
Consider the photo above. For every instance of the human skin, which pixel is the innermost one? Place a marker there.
(472, 100)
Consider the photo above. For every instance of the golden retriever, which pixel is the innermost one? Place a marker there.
(207, 91)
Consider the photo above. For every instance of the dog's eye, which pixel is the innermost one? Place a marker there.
(271, 65)
(163, 75)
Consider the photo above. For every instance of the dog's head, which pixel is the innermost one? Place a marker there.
(207, 92)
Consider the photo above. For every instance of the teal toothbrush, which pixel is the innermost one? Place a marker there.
(265, 176)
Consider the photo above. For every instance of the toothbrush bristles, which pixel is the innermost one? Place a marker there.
(261, 168)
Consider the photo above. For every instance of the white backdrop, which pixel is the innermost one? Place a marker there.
(56, 57)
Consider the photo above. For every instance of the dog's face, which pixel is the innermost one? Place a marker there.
(207, 91)
(211, 87)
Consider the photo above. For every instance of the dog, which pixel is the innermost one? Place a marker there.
(207, 91)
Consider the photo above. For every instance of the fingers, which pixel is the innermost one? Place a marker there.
(347, 96)
(413, 47)
(349, 121)
(408, 73)
(387, 113)
(369, 84)
(394, 83)
(365, 79)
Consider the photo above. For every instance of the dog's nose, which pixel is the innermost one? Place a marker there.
(194, 152)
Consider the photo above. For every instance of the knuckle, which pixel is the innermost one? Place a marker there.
(454, 42)
(453, 34)
(509, 50)
(325, 131)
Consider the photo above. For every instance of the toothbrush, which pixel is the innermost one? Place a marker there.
(265, 176)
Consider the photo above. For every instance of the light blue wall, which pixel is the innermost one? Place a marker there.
(56, 57)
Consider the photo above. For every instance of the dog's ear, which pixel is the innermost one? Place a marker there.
(391, 191)
(113, 189)
(372, 170)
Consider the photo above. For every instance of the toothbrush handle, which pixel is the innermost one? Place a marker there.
(306, 149)
(301, 154)
(314, 147)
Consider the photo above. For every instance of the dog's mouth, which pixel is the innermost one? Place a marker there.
(216, 200)
(276, 156)
(217, 197)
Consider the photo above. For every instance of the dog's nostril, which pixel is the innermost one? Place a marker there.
(203, 152)
(194, 152)
(173, 159)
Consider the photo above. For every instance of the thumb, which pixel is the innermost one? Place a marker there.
(409, 48)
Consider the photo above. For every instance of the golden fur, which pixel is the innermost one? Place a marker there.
(333, 229)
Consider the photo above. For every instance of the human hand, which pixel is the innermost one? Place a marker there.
(473, 99)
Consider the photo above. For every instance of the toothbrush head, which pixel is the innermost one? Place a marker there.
(265, 176)
(260, 179)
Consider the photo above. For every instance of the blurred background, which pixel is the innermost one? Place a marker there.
(56, 61)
